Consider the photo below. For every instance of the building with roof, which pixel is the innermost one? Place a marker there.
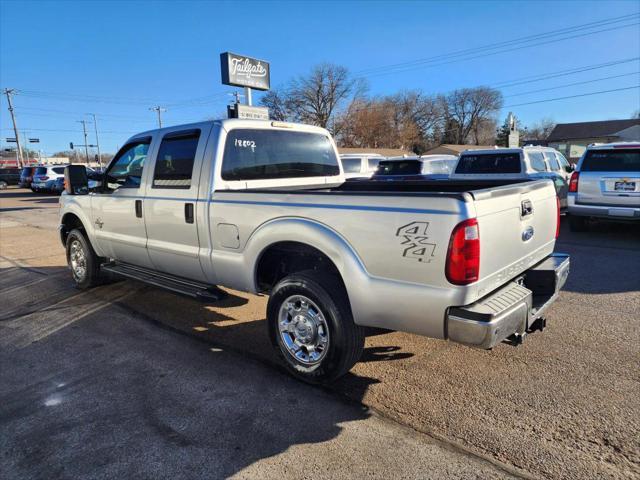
(450, 149)
(572, 139)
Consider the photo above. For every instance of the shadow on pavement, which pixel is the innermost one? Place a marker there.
(605, 259)
(113, 397)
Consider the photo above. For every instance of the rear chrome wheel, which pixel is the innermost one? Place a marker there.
(311, 326)
(3, 184)
(303, 330)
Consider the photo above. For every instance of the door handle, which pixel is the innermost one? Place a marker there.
(139, 208)
(188, 212)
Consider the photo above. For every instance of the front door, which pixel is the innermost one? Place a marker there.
(171, 206)
(116, 209)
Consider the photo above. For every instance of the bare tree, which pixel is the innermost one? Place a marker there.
(467, 109)
(540, 130)
(276, 101)
(314, 98)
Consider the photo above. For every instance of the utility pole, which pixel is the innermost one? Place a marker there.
(86, 145)
(159, 109)
(95, 125)
(8, 92)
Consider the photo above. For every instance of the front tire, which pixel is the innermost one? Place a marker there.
(3, 184)
(312, 328)
(578, 224)
(82, 260)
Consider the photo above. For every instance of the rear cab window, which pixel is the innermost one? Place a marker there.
(261, 154)
(351, 165)
(399, 167)
(618, 160)
(58, 170)
(489, 163)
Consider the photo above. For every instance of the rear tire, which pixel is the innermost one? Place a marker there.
(578, 224)
(311, 326)
(82, 260)
(3, 184)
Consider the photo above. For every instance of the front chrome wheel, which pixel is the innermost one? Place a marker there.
(303, 330)
(77, 260)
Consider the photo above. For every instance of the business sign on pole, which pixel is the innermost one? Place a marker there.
(243, 71)
(10, 140)
(251, 113)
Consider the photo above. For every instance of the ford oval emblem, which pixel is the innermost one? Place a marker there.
(527, 234)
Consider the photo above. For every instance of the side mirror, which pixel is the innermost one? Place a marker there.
(75, 180)
(569, 169)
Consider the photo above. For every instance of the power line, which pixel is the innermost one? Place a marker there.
(573, 96)
(562, 73)
(572, 84)
(562, 31)
(468, 51)
(429, 64)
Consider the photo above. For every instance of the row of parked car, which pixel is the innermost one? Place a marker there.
(39, 178)
(529, 162)
(604, 184)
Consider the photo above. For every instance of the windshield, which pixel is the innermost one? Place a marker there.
(619, 160)
(351, 165)
(399, 167)
(489, 163)
(256, 154)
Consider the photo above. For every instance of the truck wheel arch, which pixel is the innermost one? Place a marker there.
(305, 245)
(69, 222)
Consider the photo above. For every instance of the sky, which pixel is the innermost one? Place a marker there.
(117, 59)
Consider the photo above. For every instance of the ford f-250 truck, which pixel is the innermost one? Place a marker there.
(263, 207)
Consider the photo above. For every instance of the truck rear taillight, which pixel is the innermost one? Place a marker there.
(557, 216)
(463, 256)
(573, 183)
(43, 179)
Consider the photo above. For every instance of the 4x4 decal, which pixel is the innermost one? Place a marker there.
(415, 241)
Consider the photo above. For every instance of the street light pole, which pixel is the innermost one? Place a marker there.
(95, 125)
(159, 109)
(86, 145)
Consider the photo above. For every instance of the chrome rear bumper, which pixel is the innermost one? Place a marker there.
(512, 309)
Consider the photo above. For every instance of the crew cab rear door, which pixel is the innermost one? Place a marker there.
(171, 205)
(610, 177)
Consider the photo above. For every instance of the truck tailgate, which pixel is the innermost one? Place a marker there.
(517, 227)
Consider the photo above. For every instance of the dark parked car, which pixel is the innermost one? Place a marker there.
(9, 176)
(26, 177)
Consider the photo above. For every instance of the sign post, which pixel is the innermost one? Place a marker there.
(250, 73)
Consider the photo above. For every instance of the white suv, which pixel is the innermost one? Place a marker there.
(529, 162)
(606, 184)
(45, 177)
(358, 165)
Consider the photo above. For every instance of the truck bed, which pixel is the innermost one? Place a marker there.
(428, 187)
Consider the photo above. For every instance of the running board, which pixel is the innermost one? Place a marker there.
(199, 291)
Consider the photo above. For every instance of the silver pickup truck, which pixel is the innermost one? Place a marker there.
(263, 207)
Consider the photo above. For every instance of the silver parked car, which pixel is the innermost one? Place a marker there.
(606, 184)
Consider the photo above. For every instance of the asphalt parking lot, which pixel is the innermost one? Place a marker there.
(128, 380)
